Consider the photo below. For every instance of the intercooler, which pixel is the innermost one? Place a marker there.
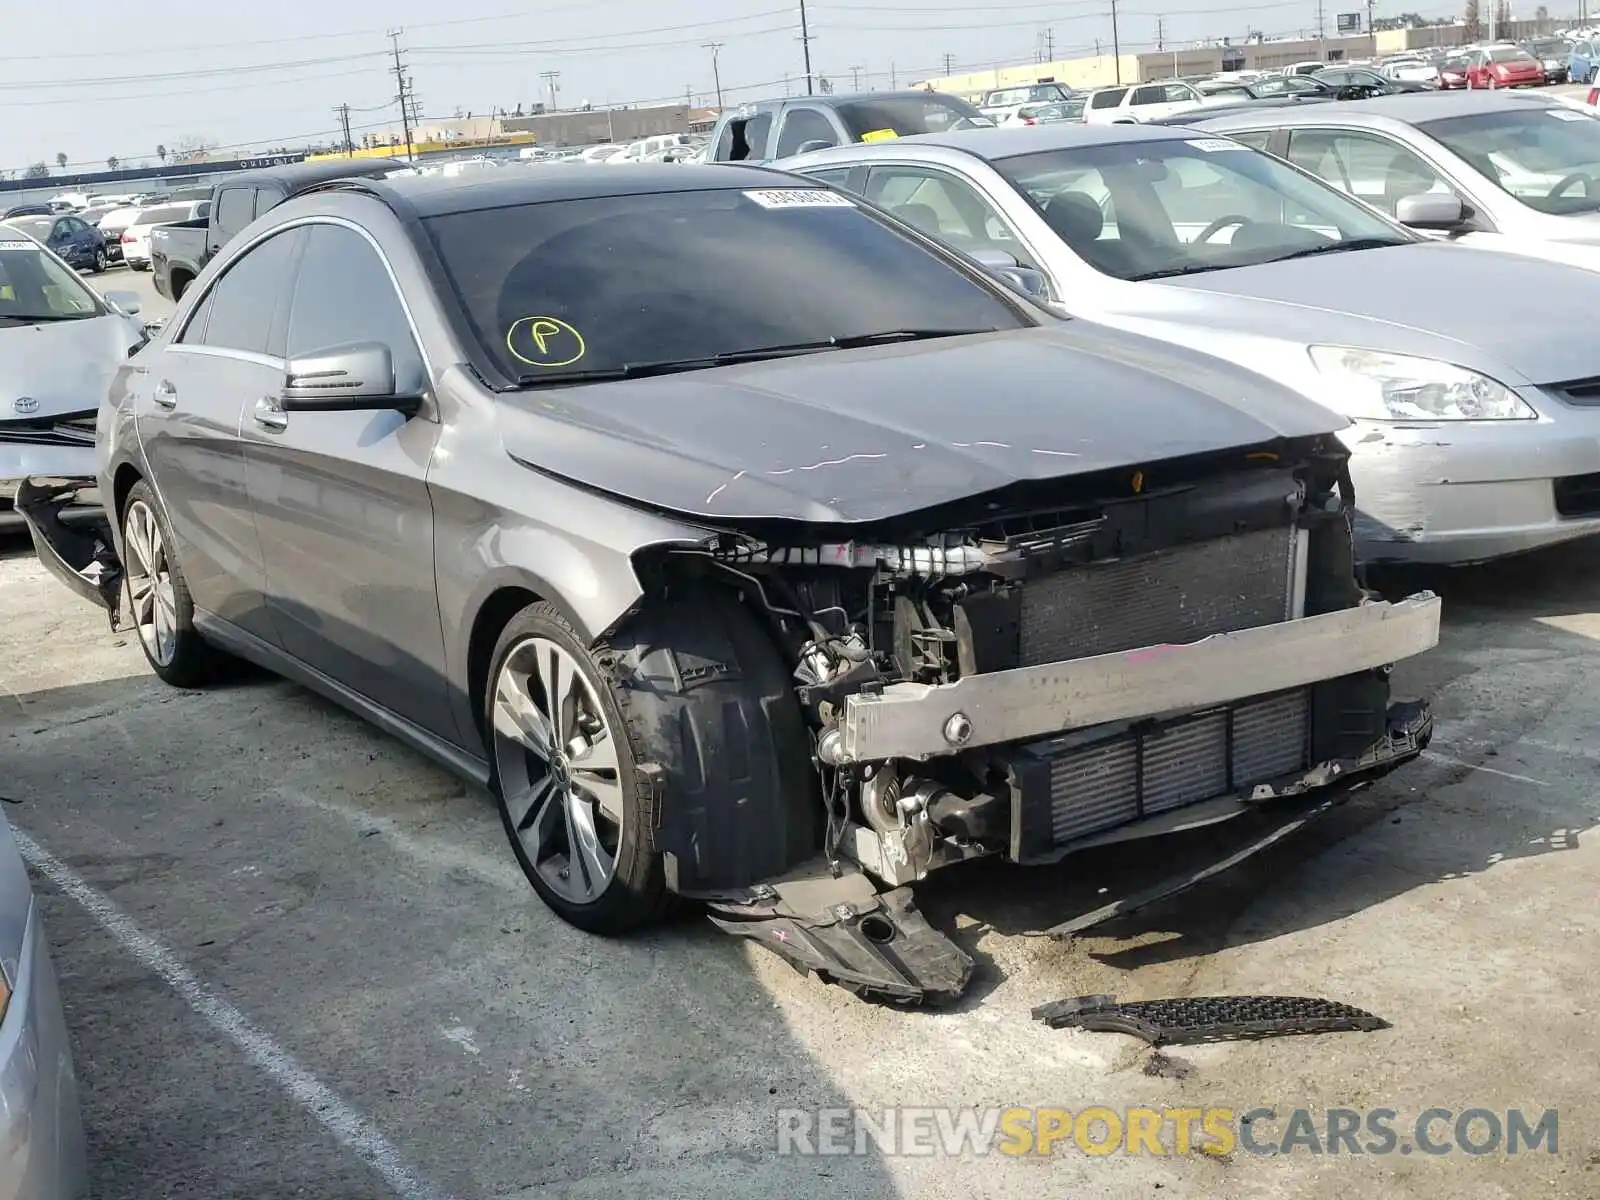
(1092, 780)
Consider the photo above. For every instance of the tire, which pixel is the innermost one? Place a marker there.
(695, 688)
(172, 646)
(100, 260)
(138, 266)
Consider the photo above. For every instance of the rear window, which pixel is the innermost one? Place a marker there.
(163, 215)
(907, 116)
(570, 287)
(1109, 98)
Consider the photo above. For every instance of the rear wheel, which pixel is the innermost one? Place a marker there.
(156, 600)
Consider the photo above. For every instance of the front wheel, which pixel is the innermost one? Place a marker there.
(100, 260)
(155, 597)
(566, 778)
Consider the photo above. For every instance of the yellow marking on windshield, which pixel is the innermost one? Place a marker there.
(879, 135)
(545, 342)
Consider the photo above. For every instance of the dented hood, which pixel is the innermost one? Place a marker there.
(864, 435)
(55, 369)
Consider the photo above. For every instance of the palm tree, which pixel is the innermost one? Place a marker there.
(113, 163)
(161, 153)
(61, 161)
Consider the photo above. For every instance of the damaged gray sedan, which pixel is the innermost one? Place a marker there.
(748, 547)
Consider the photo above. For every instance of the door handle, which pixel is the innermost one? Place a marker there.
(269, 414)
(166, 395)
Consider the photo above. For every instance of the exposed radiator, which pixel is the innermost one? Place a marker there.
(1103, 784)
(1178, 595)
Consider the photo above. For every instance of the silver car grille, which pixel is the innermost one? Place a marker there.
(1169, 596)
(1147, 771)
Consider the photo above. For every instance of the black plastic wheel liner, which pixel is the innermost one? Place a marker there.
(1191, 1019)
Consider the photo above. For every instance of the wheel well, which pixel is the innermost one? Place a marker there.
(487, 626)
(179, 282)
(121, 484)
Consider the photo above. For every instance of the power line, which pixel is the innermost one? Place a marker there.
(199, 73)
(550, 43)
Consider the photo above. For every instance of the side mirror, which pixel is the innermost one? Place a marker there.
(1031, 283)
(814, 145)
(127, 303)
(352, 378)
(1431, 210)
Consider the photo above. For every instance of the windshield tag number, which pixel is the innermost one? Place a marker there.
(1210, 145)
(17, 244)
(799, 198)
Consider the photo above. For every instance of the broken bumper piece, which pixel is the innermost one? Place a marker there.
(81, 554)
(922, 721)
(1189, 1019)
(841, 929)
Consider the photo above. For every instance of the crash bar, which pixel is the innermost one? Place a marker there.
(911, 720)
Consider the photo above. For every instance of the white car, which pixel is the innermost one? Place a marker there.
(1138, 102)
(1409, 70)
(60, 343)
(135, 236)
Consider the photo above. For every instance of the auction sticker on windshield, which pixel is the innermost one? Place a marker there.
(799, 198)
(18, 244)
(1210, 144)
(879, 135)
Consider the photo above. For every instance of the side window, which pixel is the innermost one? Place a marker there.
(802, 125)
(344, 295)
(1179, 93)
(244, 303)
(1259, 138)
(234, 210)
(1109, 98)
(267, 198)
(1149, 95)
(61, 229)
(1370, 167)
(946, 208)
(756, 131)
(77, 227)
(202, 210)
(839, 177)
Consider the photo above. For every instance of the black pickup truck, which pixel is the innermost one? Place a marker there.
(769, 129)
(179, 252)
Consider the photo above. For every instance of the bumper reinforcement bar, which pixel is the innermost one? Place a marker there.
(919, 721)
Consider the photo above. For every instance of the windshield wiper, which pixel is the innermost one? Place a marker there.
(1187, 269)
(43, 318)
(1369, 243)
(728, 358)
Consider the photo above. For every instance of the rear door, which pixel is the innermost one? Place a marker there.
(341, 498)
(188, 405)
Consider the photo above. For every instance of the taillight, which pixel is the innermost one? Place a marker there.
(1593, 97)
(1027, 120)
(127, 238)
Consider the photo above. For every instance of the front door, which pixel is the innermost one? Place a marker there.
(341, 498)
(188, 405)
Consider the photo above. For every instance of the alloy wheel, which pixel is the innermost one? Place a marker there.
(99, 260)
(152, 602)
(556, 757)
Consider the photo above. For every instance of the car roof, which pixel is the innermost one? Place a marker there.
(437, 196)
(1008, 141)
(295, 176)
(1406, 108)
(834, 99)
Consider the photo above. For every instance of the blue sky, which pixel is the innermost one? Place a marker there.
(268, 73)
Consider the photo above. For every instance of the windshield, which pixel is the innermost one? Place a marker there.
(1509, 54)
(907, 116)
(578, 287)
(1548, 158)
(35, 287)
(37, 228)
(1549, 49)
(162, 215)
(1137, 210)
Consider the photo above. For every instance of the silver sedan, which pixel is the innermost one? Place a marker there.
(1504, 170)
(41, 1131)
(1476, 423)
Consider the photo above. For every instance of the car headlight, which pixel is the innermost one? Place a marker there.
(1375, 386)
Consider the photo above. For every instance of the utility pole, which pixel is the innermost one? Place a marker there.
(894, 81)
(1049, 45)
(855, 79)
(1116, 41)
(550, 78)
(716, 74)
(1159, 38)
(1322, 52)
(344, 120)
(805, 48)
(949, 63)
(404, 88)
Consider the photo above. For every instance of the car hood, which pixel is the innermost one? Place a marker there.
(60, 367)
(863, 435)
(1502, 313)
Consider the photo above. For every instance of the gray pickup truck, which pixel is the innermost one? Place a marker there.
(180, 251)
(769, 129)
